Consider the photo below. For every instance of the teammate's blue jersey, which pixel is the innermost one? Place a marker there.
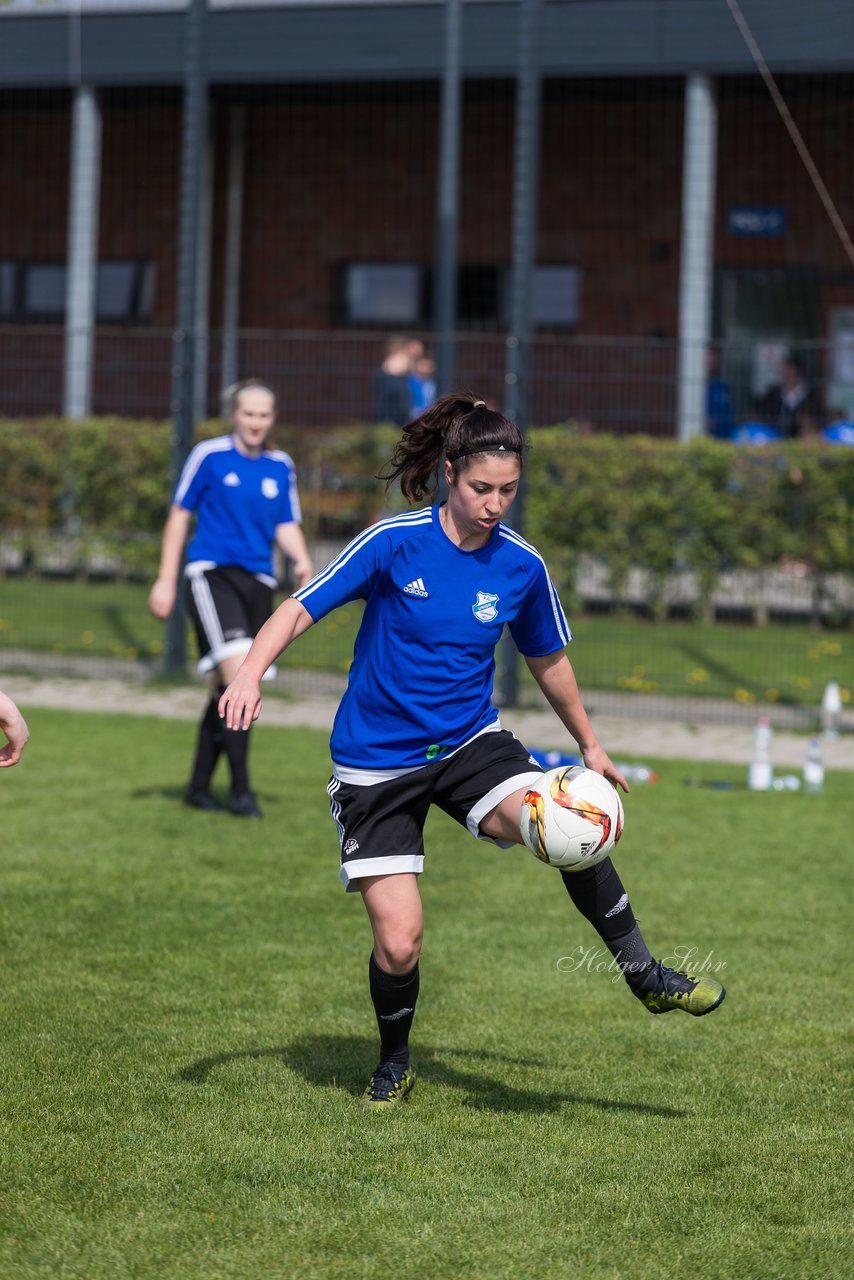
(423, 667)
(239, 503)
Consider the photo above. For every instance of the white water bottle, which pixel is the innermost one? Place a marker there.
(760, 775)
(813, 768)
(831, 709)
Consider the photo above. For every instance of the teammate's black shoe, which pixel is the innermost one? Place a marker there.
(198, 799)
(244, 805)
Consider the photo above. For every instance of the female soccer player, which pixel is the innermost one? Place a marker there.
(417, 726)
(245, 501)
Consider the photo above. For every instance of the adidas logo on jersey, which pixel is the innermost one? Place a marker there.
(416, 588)
(231, 479)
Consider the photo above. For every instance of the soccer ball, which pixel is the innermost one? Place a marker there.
(572, 818)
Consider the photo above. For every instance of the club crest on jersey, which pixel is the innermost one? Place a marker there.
(484, 606)
(269, 487)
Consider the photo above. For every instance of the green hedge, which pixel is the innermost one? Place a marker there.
(705, 507)
(630, 501)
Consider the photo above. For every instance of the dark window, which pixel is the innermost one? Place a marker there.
(479, 297)
(401, 295)
(124, 291)
(383, 293)
(555, 297)
(8, 280)
(43, 294)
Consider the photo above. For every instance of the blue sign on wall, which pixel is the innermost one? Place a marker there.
(756, 220)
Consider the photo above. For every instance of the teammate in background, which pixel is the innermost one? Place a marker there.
(13, 726)
(245, 501)
(417, 726)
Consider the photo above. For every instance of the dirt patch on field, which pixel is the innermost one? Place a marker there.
(622, 736)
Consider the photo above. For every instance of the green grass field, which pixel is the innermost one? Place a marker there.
(789, 664)
(187, 1030)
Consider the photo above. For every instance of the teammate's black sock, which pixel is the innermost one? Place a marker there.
(236, 746)
(394, 996)
(208, 747)
(599, 895)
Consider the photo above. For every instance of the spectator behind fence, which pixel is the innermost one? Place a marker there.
(391, 394)
(422, 384)
(244, 497)
(14, 729)
(719, 418)
(792, 407)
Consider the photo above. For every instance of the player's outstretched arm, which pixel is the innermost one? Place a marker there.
(291, 541)
(161, 599)
(241, 702)
(14, 727)
(556, 678)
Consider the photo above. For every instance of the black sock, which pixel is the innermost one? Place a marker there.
(394, 996)
(599, 895)
(236, 745)
(208, 747)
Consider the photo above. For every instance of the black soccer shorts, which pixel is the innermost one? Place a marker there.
(228, 606)
(381, 826)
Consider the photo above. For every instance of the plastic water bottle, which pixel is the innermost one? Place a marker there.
(760, 775)
(831, 709)
(813, 768)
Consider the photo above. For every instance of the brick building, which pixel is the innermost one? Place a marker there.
(324, 123)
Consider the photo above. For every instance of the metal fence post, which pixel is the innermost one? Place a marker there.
(185, 337)
(447, 211)
(526, 173)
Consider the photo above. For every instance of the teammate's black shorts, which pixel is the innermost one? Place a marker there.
(228, 606)
(381, 826)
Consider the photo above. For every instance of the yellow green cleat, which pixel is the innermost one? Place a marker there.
(388, 1087)
(676, 990)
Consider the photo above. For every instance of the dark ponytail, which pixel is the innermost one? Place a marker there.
(456, 426)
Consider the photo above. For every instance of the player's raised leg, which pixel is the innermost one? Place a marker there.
(599, 894)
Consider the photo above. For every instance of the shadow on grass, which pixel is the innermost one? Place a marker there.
(162, 793)
(344, 1061)
(219, 791)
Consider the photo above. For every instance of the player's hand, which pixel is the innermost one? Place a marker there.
(598, 759)
(241, 703)
(17, 735)
(161, 599)
(303, 571)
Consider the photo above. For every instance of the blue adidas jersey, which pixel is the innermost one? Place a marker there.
(239, 503)
(423, 666)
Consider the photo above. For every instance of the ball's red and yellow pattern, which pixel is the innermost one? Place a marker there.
(572, 819)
